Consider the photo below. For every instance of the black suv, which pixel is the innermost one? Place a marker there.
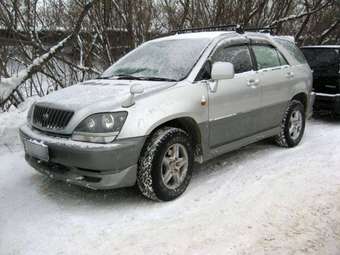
(325, 63)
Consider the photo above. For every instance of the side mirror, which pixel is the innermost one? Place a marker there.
(134, 89)
(222, 71)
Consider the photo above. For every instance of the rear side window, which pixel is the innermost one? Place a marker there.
(292, 49)
(239, 56)
(266, 56)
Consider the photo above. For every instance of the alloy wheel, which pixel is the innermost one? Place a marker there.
(175, 166)
(295, 124)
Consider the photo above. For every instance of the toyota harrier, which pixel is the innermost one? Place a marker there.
(170, 102)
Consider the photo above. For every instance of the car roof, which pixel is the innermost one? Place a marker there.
(197, 35)
(321, 47)
(219, 34)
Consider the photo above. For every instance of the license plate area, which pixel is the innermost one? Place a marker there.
(36, 149)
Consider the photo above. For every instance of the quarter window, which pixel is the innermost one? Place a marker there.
(239, 56)
(266, 56)
(292, 49)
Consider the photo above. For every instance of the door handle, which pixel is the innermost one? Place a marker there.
(290, 75)
(253, 83)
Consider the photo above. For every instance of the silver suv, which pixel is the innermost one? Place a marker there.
(172, 101)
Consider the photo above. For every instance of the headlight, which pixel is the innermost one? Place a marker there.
(100, 127)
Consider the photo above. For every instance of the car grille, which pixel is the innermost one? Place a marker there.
(50, 118)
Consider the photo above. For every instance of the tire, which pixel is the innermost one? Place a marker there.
(286, 138)
(156, 158)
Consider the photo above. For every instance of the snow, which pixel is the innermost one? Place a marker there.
(9, 124)
(111, 92)
(172, 59)
(285, 37)
(7, 85)
(194, 35)
(322, 47)
(261, 199)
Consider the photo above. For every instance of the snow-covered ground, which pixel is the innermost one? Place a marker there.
(259, 200)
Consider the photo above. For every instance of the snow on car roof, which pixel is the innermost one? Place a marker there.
(196, 35)
(215, 34)
(321, 46)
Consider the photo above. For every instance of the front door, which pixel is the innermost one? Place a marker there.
(234, 104)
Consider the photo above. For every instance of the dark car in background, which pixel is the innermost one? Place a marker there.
(325, 63)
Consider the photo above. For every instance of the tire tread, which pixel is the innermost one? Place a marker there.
(281, 138)
(145, 163)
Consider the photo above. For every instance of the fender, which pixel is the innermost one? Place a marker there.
(182, 100)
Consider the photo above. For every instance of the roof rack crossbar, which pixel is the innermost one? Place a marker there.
(236, 28)
(233, 27)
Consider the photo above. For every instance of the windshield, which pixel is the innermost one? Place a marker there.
(164, 59)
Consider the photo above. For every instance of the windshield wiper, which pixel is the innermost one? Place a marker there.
(120, 77)
(131, 77)
(150, 78)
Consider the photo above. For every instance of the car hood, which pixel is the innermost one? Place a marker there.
(100, 93)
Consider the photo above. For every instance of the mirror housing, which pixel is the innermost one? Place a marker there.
(134, 89)
(222, 71)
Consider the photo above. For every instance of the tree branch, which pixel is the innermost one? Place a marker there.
(9, 85)
(295, 17)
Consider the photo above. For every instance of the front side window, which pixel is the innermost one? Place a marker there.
(266, 56)
(239, 56)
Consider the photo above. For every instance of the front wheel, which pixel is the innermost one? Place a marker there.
(165, 165)
(292, 126)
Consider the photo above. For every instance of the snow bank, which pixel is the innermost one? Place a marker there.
(9, 125)
(9, 84)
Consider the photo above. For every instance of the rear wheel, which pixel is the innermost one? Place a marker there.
(165, 166)
(292, 126)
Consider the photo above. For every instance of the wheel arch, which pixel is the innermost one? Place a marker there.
(190, 126)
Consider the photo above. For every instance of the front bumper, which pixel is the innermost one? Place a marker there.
(97, 166)
(327, 102)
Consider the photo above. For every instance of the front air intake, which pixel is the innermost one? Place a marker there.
(50, 118)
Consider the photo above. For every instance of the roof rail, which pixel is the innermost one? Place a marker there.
(234, 27)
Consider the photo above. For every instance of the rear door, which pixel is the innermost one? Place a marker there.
(277, 78)
(234, 104)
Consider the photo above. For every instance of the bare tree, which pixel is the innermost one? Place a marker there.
(31, 28)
